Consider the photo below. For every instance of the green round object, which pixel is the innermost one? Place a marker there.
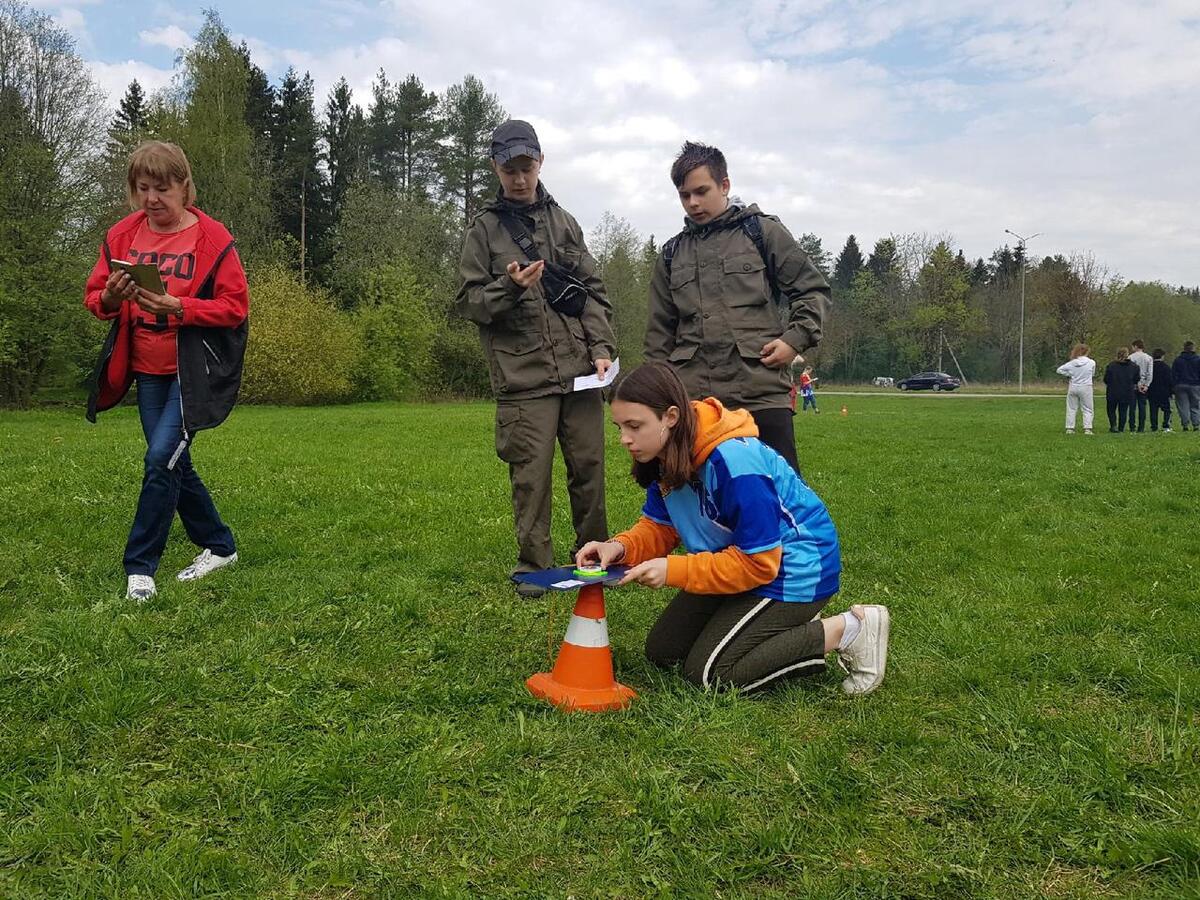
(590, 573)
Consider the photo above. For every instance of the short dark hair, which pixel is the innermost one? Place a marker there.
(692, 156)
(1188, 346)
(1137, 342)
(1159, 353)
(657, 386)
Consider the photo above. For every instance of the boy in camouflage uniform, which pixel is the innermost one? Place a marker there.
(535, 350)
(733, 300)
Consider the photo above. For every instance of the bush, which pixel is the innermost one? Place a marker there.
(459, 369)
(396, 332)
(301, 350)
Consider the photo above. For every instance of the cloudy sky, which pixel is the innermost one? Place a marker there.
(1080, 120)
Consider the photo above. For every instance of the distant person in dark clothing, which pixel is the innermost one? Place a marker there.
(1186, 372)
(1159, 392)
(1120, 380)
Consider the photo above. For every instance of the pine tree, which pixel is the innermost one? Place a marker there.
(382, 140)
(344, 132)
(849, 263)
(811, 245)
(301, 199)
(469, 115)
(882, 261)
(260, 100)
(415, 124)
(129, 122)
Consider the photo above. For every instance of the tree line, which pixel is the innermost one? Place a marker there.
(349, 217)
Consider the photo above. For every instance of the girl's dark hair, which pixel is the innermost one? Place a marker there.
(657, 386)
(692, 156)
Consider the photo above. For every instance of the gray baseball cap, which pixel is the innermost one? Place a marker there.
(515, 138)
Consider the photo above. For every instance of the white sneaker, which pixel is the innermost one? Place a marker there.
(865, 660)
(140, 588)
(205, 564)
(1166, 430)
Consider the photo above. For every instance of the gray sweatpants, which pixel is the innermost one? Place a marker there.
(1187, 401)
(738, 640)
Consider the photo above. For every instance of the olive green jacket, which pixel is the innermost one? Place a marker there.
(712, 315)
(532, 351)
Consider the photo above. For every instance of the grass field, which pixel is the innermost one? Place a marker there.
(343, 713)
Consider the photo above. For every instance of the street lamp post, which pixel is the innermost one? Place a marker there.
(1021, 351)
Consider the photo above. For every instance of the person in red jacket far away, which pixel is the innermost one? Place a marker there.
(183, 347)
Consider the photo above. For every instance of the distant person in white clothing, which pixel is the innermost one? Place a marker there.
(1081, 369)
(1145, 363)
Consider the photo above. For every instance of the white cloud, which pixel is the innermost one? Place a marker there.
(114, 78)
(861, 116)
(170, 36)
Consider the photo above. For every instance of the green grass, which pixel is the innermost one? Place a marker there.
(343, 713)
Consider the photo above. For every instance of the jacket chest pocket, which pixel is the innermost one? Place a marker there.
(568, 258)
(522, 331)
(685, 294)
(746, 295)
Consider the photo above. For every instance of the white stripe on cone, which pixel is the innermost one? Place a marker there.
(587, 632)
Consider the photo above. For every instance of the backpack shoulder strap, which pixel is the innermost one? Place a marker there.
(668, 252)
(518, 233)
(753, 230)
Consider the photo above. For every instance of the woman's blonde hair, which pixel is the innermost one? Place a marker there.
(1079, 350)
(162, 162)
(1122, 353)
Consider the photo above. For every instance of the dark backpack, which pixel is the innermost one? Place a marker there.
(565, 293)
(752, 228)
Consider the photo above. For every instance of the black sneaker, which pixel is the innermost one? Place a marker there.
(528, 591)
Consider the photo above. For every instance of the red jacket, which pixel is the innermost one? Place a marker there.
(212, 334)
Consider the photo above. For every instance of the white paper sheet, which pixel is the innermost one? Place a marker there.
(591, 382)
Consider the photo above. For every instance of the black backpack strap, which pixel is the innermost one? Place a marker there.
(518, 233)
(753, 230)
(668, 253)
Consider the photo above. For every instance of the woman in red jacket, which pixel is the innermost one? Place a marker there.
(183, 347)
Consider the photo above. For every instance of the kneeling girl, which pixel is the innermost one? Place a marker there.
(763, 557)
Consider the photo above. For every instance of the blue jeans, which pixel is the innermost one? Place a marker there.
(165, 491)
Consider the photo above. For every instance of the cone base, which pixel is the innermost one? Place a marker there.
(544, 687)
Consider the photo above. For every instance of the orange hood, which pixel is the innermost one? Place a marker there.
(714, 424)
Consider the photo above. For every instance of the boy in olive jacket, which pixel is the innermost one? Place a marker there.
(733, 300)
(530, 285)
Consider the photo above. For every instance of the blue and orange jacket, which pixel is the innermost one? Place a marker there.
(749, 523)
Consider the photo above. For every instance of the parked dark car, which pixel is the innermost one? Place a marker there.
(928, 381)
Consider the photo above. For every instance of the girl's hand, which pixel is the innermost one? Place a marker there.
(652, 573)
(600, 553)
(158, 304)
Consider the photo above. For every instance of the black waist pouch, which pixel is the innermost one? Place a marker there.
(564, 292)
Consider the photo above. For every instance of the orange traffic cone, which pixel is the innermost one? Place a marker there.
(583, 673)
